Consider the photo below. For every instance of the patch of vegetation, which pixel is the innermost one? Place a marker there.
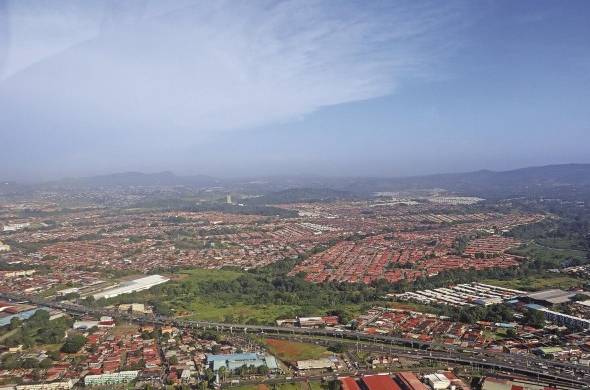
(73, 343)
(190, 205)
(256, 296)
(551, 257)
(289, 351)
(538, 282)
(36, 330)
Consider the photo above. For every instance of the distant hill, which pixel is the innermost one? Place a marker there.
(560, 181)
(10, 188)
(566, 181)
(138, 179)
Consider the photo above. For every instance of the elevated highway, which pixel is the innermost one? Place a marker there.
(569, 374)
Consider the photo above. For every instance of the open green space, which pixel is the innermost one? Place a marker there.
(560, 243)
(209, 275)
(540, 281)
(36, 330)
(206, 308)
(290, 351)
(550, 255)
(255, 296)
(237, 312)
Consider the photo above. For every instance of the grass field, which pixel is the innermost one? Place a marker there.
(559, 243)
(535, 251)
(289, 351)
(538, 282)
(210, 311)
(201, 275)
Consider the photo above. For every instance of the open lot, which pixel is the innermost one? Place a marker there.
(206, 310)
(535, 251)
(202, 275)
(538, 282)
(290, 351)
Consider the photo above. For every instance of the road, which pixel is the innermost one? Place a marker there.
(569, 374)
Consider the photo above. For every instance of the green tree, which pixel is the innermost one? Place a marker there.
(45, 363)
(73, 343)
(534, 318)
(15, 322)
(262, 370)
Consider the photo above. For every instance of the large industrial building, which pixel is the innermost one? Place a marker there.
(567, 320)
(549, 297)
(115, 378)
(237, 360)
(132, 286)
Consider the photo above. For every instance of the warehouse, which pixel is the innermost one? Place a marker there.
(132, 286)
(437, 381)
(549, 297)
(409, 381)
(111, 378)
(237, 360)
(314, 364)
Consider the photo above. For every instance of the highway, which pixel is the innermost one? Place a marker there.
(569, 374)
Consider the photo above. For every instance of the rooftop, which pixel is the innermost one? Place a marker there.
(380, 382)
(553, 296)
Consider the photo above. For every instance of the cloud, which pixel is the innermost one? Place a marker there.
(170, 71)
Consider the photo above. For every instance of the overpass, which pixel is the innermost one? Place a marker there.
(532, 366)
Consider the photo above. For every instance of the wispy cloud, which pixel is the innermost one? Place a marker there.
(179, 68)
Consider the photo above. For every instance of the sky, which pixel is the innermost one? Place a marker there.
(258, 88)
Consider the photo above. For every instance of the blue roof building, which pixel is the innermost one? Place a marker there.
(23, 315)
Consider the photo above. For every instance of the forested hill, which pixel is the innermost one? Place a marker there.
(568, 181)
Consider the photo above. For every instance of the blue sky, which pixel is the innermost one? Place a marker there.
(301, 87)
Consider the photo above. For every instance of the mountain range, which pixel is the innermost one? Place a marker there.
(569, 181)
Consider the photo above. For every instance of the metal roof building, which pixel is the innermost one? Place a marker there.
(132, 286)
(409, 381)
(550, 297)
(237, 360)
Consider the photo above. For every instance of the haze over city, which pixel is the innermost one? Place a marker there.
(259, 88)
(294, 195)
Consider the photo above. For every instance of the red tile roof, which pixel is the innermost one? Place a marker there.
(349, 383)
(380, 382)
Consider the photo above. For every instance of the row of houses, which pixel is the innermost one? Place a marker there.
(403, 381)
